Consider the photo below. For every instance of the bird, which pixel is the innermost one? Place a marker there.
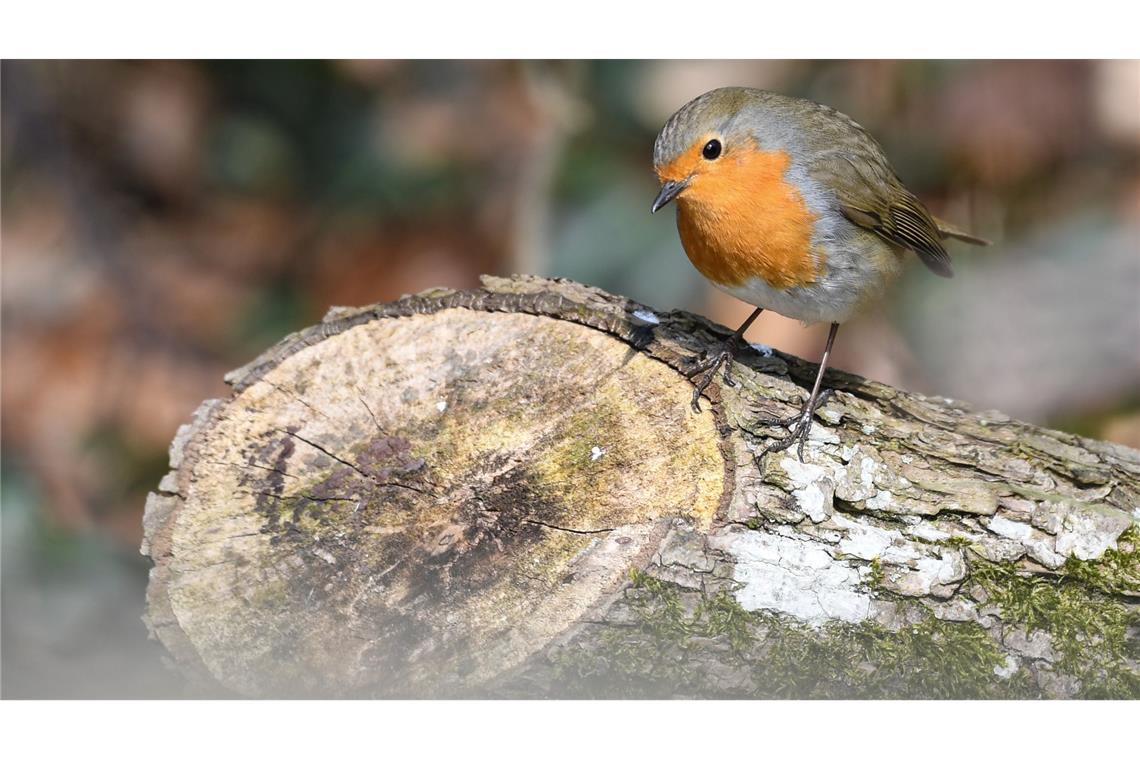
(791, 206)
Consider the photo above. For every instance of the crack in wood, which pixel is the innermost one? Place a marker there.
(326, 452)
(580, 531)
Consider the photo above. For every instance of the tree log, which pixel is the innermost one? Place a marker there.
(504, 492)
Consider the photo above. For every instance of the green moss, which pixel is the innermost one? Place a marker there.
(660, 609)
(1087, 626)
(875, 579)
(652, 657)
(683, 643)
(1116, 572)
(772, 656)
(933, 659)
(723, 616)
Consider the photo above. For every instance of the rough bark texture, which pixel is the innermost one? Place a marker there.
(503, 492)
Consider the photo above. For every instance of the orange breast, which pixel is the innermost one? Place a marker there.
(740, 218)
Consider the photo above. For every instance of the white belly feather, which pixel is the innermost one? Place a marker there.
(856, 274)
(808, 305)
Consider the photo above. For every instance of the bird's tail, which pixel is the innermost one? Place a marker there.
(947, 230)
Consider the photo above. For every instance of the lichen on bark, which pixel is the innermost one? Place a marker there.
(665, 640)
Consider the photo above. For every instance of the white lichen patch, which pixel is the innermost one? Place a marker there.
(1087, 531)
(1042, 549)
(902, 553)
(647, 316)
(802, 473)
(883, 500)
(797, 578)
(815, 502)
(928, 576)
(832, 416)
(813, 489)
(940, 571)
(994, 549)
(863, 540)
(821, 434)
(858, 483)
(928, 532)
(1049, 516)
(1006, 670)
(1082, 531)
(1007, 528)
(911, 568)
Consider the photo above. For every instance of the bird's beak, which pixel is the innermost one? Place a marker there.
(669, 191)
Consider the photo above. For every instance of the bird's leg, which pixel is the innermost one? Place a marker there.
(803, 427)
(724, 356)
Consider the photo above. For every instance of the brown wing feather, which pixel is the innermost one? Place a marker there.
(872, 197)
(905, 221)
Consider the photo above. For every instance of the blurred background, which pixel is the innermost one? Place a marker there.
(164, 222)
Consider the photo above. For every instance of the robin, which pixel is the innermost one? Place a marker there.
(791, 206)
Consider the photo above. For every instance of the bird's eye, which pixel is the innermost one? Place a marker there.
(711, 150)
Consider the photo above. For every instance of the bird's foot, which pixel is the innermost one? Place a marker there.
(803, 422)
(709, 367)
(773, 421)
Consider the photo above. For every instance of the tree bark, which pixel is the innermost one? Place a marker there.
(504, 492)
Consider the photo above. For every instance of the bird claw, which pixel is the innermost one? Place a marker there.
(725, 356)
(708, 368)
(824, 396)
(728, 375)
(800, 432)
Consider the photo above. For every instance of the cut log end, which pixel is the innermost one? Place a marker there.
(418, 504)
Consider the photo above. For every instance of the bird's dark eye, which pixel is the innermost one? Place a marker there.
(711, 150)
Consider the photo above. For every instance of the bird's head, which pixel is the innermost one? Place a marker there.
(708, 143)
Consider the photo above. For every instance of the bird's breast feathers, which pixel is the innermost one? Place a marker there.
(743, 219)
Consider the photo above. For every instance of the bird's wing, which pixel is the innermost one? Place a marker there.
(872, 197)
